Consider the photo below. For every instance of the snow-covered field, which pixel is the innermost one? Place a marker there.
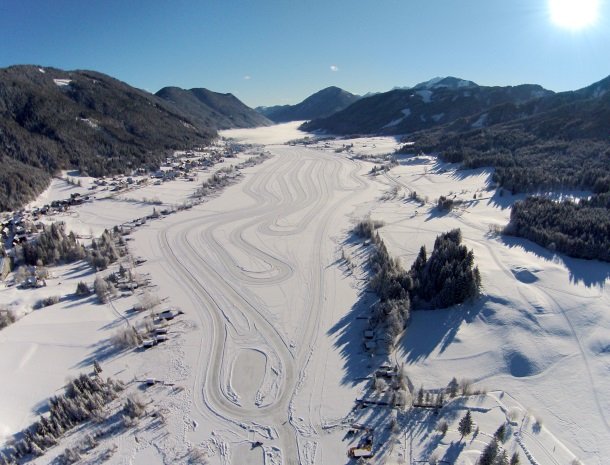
(270, 349)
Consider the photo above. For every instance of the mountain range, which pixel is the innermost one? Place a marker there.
(52, 119)
(319, 105)
(429, 104)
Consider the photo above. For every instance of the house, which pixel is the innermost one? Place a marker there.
(32, 282)
(357, 452)
(169, 314)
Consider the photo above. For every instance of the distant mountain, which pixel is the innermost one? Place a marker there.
(52, 119)
(579, 114)
(212, 109)
(429, 104)
(449, 82)
(319, 105)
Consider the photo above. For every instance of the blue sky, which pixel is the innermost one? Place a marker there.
(280, 51)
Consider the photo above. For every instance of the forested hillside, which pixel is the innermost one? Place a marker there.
(557, 142)
(566, 146)
(52, 119)
(212, 109)
(426, 106)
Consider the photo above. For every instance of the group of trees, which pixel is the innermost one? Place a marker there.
(104, 250)
(255, 160)
(83, 399)
(218, 180)
(53, 246)
(392, 285)
(492, 454)
(447, 278)
(579, 229)
(445, 203)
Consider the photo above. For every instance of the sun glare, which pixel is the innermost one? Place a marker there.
(574, 14)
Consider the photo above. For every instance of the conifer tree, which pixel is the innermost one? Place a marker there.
(500, 433)
(501, 459)
(489, 453)
(465, 426)
(452, 387)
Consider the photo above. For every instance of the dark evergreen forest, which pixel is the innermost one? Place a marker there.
(580, 229)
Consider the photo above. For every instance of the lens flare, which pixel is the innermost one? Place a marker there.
(574, 14)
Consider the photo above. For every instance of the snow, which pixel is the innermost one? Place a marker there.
(480, 122)
(426, 95)
(393, 123)
(62, 82)
(464, 83)
(406, 112)
(538, 308)
(270, 346)
(272, 135)
(89, 122)
(431, 83)
(599, 92)
(438, 117)
(44, 347)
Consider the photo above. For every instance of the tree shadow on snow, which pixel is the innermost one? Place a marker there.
(591, 273)
(348, 333)
(80, 269)
(432, 329)
(453, 451)
(102, 351)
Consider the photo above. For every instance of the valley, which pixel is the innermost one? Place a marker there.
(268, 365)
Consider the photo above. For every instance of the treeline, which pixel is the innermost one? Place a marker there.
(579, 229)
(523, 161)
(448, 277)
(83, 398)
(393, 287)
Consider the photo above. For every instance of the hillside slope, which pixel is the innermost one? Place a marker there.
(319, 105)
(427, 105)
(213, 109)
(52, 119)
(557, 141)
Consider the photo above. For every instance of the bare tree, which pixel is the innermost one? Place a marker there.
(100, 285)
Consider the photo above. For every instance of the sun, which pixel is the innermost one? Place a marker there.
(574, 14)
